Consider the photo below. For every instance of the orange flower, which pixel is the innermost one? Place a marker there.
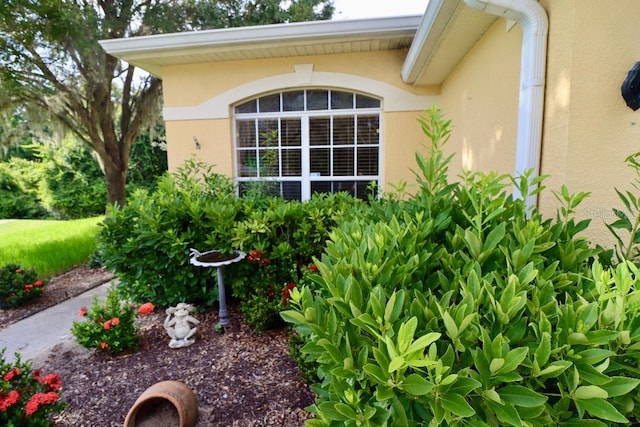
(83, 311)
(28, 287)
(40, 399)
(111, 322)
(9, 400)
(11, 374)
(53, 381)
(146, 308)
(38, 283)
(103, 345)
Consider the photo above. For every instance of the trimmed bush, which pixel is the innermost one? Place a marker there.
(459, 307)
(18, 285)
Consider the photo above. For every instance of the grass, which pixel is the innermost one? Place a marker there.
(48, 246)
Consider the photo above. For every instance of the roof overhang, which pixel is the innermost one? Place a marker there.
(152, 53)
(447, 32)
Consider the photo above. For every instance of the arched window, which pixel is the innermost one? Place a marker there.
(300, 142)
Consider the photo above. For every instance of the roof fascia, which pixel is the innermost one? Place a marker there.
(265, 36)
(430, 32)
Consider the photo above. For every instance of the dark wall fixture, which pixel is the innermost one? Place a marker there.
(631, 87)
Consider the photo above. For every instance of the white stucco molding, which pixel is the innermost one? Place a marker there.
(218, 107)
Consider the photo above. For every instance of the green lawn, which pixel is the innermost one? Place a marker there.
(48, 246)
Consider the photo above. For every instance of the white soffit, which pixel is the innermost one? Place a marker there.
(266, 41)
(447, 32)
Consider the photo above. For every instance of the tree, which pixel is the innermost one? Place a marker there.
(50, 61)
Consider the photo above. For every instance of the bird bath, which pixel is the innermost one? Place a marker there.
(217, 259)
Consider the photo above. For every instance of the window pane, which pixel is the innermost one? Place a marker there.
(368, 130)
(291, 163)
(346, 186)
(291, 190)
(319, 161)
(293, 101)
(269, 163)
(343, 130)
(268, 133)
(247, 164)
(246, 133)
(321, 187)
(341, 100)
(248, 107)
(266, 188)
(363, 101)
(317, 100)
(270, 103)
(368, 161)
(362, 190)
(343, 162)
(291, 133)
(319, 130)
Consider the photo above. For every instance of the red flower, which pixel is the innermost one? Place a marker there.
(36, 374)
(53, 381)
(286, 292)
(40, 399)
(83, 311)
(28, 287)
(9, 400)
(146, 308)
(313, 268)
(38, 283)
(19, 270)
(103, 345)
(12, 374)
(111, 322)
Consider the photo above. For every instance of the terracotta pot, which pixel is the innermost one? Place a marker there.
(164, 404)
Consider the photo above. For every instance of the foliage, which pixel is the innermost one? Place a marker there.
(626, 229)
(147, 241)
(455, 307)
(48, 246)
(52, 66)
(110, 325)
(148, 159)
(18, 285)
(71, 184)
(15, 200)
(283, 237)
(27, 397)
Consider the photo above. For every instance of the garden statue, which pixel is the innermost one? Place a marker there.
(178, 325)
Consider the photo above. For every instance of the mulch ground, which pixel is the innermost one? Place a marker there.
(240, 378)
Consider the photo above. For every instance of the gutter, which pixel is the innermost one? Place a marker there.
(535, 27)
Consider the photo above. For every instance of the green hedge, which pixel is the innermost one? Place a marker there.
(455, 307)
(147, 242)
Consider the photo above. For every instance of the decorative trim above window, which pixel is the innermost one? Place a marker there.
(395, 98)
(299, 142)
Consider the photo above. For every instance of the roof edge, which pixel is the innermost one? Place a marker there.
(264, 35)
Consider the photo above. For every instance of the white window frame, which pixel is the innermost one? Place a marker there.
(305, 115)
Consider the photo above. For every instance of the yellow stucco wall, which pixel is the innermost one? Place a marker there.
(481, 98)
(589, 130)
(199, 85)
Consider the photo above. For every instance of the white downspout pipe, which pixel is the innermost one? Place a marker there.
(535, 27)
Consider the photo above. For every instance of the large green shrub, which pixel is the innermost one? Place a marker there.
(459, 307)
(16, 201)
(147, 241)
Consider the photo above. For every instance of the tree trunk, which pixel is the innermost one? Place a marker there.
(115, 179)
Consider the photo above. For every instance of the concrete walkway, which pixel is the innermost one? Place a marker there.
(34, 336)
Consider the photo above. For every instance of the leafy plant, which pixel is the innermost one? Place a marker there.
(626, 229)
(18, 285)
(109, 326)
(458, 306)
(27, 397)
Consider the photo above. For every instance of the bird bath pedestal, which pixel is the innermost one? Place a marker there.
(217, 259)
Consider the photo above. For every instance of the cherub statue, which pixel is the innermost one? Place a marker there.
(179, 326)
